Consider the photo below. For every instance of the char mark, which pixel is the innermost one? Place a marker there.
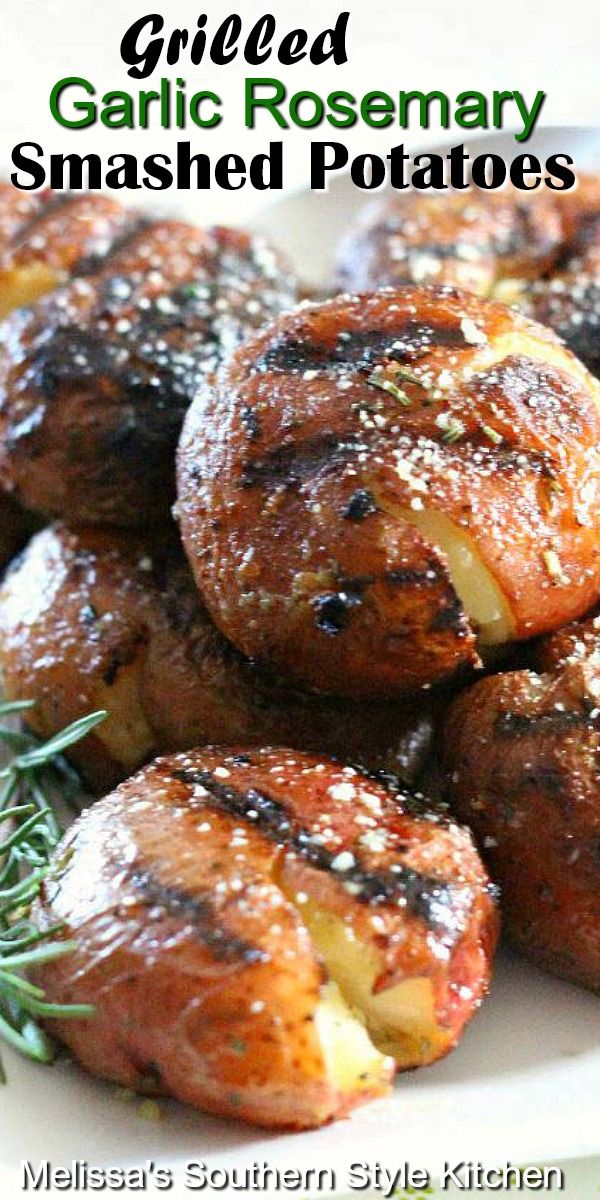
(432, 900)
(448, 250)
(250, 421)
(86, 359)
(428, 576)
(123, 656)
(518, 378)
(201, 913)
(361, 504)
(359, 349)
(585, 237)
(575, 315)
(291, 465)
(96, 262)
(450, 617)
(333, 609)
(524, 233)
(511, 725)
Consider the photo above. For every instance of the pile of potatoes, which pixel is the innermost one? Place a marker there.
(301, 551)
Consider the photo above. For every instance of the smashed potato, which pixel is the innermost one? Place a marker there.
(522, 751)
(539, 251)
(265, 934)
(95, 378)
(45, 237)
(93, 620)
(376, 487)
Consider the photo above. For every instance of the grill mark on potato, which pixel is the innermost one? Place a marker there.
(395, 227)
(584, 238)
(333, 609)
(551, 781)
(511, 725)
(124, 655)
(499, 242)
(356, 349)
(450, 617)
(92, 360)
(429, 576)
(293, 464)
(508, 458)
(201, 912)
(432, 900)
(524, 232)
(360, 505)
(89, 264)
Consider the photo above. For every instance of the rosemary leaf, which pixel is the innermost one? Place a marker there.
(387, 385)
(41, 755)
(30, 832)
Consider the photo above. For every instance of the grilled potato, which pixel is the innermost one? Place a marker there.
(47, 236)
(376, 487)
(539, 251)
(573, 642)
(468, 239)
(265, 934)
(522, 751)
(95, 378)
(570, 304)
(91, 620)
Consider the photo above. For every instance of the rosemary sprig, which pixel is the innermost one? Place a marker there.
(29, 831)
(387, 385)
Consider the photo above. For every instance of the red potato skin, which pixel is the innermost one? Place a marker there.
(95, 378)
(90, 619)
(277, 448)
(522, 752)
(204, 976)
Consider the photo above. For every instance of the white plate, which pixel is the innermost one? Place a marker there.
(524, 1084)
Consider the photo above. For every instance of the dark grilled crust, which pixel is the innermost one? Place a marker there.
(16, 526)
(91, 620)
(95, 378)
(570, 304)
(522, 753)
(183, 891)
(368, 607)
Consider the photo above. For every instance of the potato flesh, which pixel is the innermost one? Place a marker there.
(474, 585)
(24, 285)
(126, 734)
(398, 1022)
(353, 1063)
